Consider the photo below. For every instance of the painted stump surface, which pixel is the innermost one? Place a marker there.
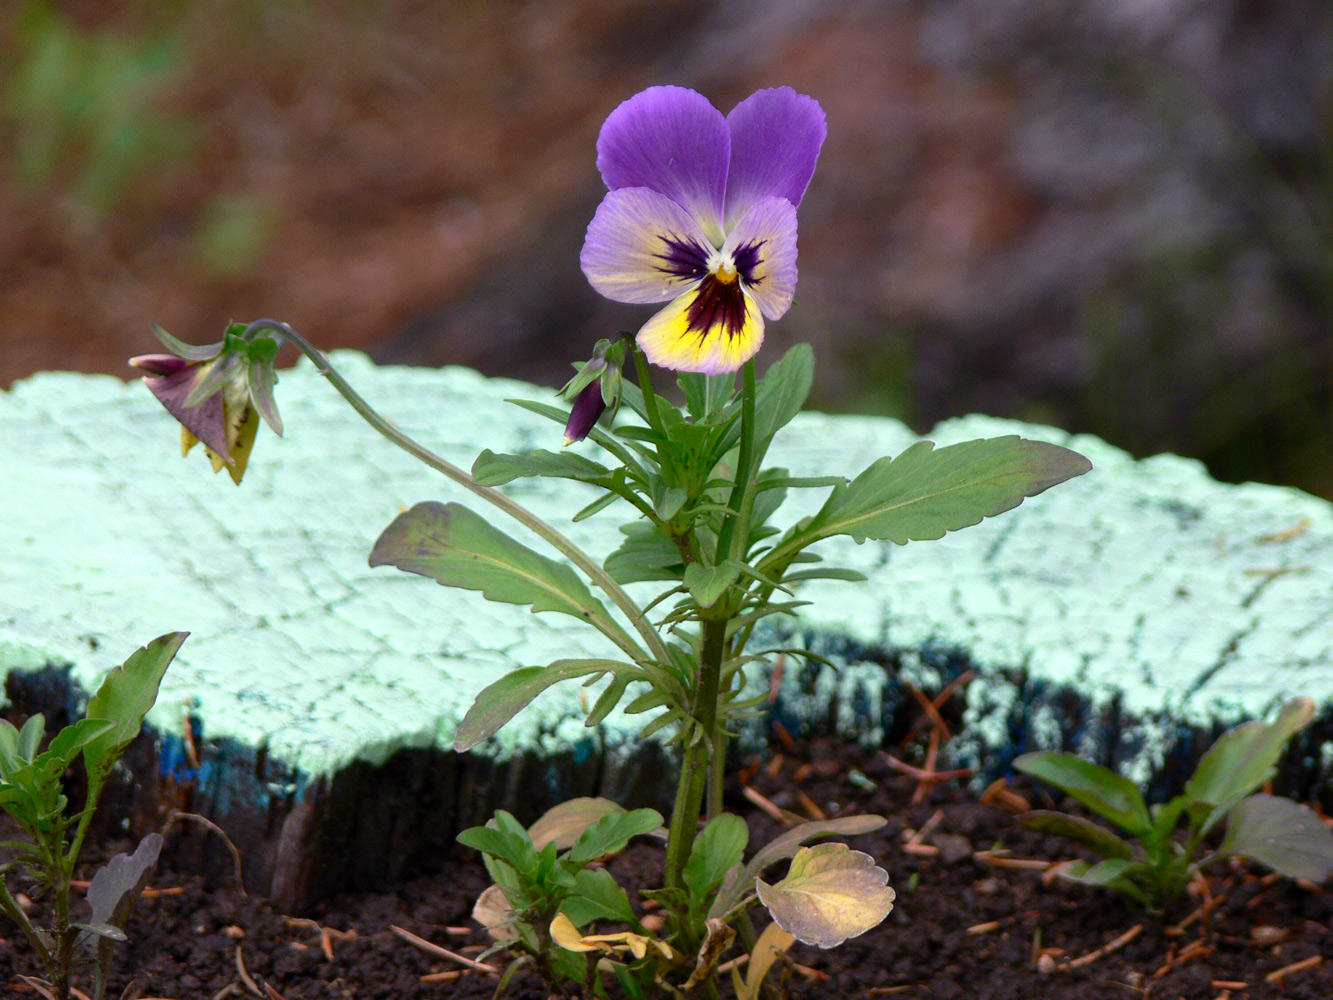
(1130, 614)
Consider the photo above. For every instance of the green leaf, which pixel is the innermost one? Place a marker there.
(785, 846)
(1284, 835)
(491, 469)
(1244, 758)
(718, 849)
(596, 896)
(505, 839)
(782, 391)
(455, 547)
(705, 395)
(925, 492)
(1100, 839)
(831, 893)
(1109, 874)
(645, 554)
(610, 698)
(1099, 789)
(826, 573)
(601, 503)
(667, 500)
(565, 823)
(73, 738)
(612, 832)
(500, 701)
(183, 350)
(124, 697)
(30, 736)
(707, 583)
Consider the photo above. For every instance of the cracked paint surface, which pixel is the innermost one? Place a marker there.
(1144, 585)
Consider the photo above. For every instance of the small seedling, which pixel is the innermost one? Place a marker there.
(32, 793)
(1153, 865)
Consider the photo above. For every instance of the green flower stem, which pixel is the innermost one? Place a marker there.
(539, 527)
(694, 766)
(650, 404)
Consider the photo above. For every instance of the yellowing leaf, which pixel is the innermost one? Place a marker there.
(717, 940)
(567, 936)
(771, 946)
(566, 822)
(494, 912)
(830, 893)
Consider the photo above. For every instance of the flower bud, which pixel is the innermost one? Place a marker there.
(594, 389)
(587, 410)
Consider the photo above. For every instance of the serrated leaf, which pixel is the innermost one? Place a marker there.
(456, 548)
(491, 469)
(716, 850)
(925, 491)
(1284, 835)
(1086, 832)
(500, 701)
(1098, 788)
(772, 945)
(785, 846)
(1244, 758)
(124, 697)
(112, 894)
(707, 583)
(565, 823)
(831, 893)
(610, 834)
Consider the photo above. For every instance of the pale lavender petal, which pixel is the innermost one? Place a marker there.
(763, 247)
(775, 140)
(643, 247)
(674, 142)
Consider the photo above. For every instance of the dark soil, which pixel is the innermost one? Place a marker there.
(963, 926)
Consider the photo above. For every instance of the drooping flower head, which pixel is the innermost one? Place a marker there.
(218, 392)
(595, 389)
(701, 214)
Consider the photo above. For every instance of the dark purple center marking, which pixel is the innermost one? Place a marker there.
(716, 304)
(682, 258)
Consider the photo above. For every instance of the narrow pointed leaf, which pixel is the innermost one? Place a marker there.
(783, 391)
(1101, 790)
(499, 702)
(453, 546)
(831, 893)
(925, 491)
(1244, 758)
(187, 351)
(1100, 839)
(262, 381)
(491, 469)
(124, 697)
(1284, 835)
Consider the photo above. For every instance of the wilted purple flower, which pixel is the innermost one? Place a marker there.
(216, 392)
(701, 213)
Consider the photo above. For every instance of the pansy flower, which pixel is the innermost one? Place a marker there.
(701, 214)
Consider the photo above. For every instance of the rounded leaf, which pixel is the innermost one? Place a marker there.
(831, 893)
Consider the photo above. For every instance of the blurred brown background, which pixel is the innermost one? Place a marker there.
(1112, 215)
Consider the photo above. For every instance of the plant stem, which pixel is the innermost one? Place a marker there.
(735, 527)
(694, 766)
(525, 517)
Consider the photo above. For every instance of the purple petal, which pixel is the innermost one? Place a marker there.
(643, 247)
(204, 421)
(587, 410)
(763, 246)
(775, 141)
(159, 364)
(674, 142)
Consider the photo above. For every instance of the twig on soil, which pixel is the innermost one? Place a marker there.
(810, 806)
(434, 949)
(998, 859)
(441, 977)
(766, 804)
(999, 792)
(1107, 948)
(245, 976)
(927, 777)
(205, 821)
(1195, 949)
(1277, 975)
(1210, 904)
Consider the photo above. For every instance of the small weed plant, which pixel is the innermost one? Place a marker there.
(699, 218)
(1151, 862)
(32, 793)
